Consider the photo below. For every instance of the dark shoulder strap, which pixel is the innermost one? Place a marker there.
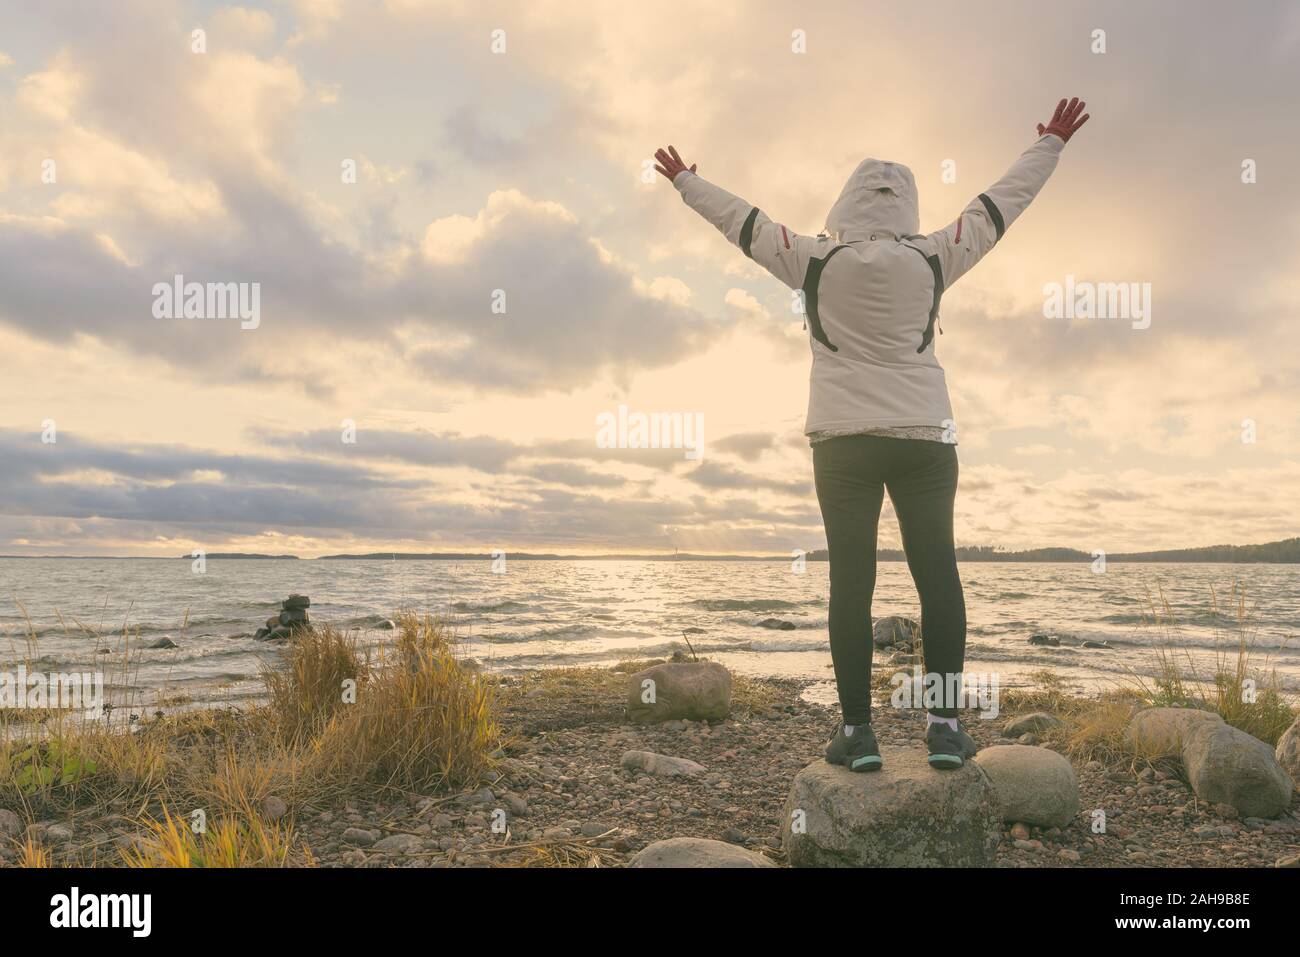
(810, 280)
(935, 268)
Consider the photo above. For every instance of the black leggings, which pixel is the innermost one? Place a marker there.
(852, 473)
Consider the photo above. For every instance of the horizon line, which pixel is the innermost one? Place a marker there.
(980, 553)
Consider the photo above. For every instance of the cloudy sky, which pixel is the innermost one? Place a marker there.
(513, 161)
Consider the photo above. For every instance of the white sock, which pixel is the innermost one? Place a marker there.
(849, 729)
(935, 719)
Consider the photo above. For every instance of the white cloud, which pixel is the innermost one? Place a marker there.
(520, 173)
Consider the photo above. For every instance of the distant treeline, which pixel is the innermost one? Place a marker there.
(241, 555)
(1286, 551)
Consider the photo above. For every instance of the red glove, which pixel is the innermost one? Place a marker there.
(1066, 120)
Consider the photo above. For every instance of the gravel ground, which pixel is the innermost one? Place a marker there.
(561, 797)
(566, 799)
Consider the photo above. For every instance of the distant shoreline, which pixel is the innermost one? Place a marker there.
(1283, 552)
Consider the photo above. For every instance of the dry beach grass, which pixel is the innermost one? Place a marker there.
(420, 722)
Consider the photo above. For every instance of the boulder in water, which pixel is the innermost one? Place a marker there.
(696, 852)
(1034, 785)
(163, 642)
(1224, 765)
(894, 630)
(905, 815)
(777, 624)
(294, 616)
(1051, 641)
(296, 601)
(697, 690)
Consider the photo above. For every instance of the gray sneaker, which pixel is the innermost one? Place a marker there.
(948, 748)
(856, 751)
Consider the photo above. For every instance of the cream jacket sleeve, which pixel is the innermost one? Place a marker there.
(776, 248)
(968, 238)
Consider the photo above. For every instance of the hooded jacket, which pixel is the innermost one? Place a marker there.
(871, 284)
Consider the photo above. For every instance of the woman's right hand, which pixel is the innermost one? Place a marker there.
(1066, 121)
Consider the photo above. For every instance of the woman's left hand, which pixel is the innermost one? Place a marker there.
(670, 164)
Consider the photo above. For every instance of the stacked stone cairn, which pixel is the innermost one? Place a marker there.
(292, 617)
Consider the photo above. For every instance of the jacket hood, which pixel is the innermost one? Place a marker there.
(879, 198)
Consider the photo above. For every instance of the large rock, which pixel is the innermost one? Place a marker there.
(1288, 750)
(1034, 785)
(660, 765)
(1224, 765)
(696, 852)
(905, 815)
(894, 630)
(360, 836)
(696, 690)
(11, 825)
(1160, 732)
(1037, 723)
(398, 844)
